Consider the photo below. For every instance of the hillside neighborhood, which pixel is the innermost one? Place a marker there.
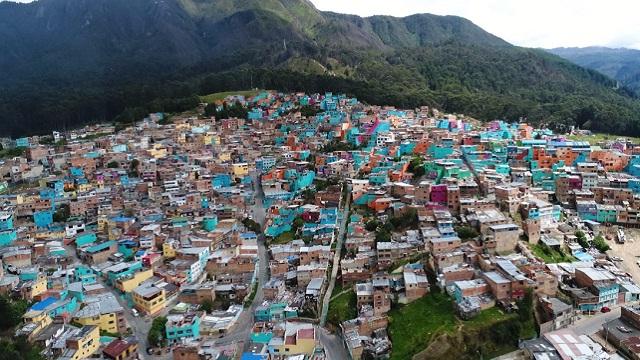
(270, 225)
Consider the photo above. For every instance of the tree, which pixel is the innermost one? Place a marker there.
(383, 235)
(466, 232)
(416, 167)
(156, 335)
(308, 111)
(408, 219)
(298, 223)
(582, 239)
(62, 213)
(206, 306)
(133, 167)
(113, 164)
(309, 196)
(12, 311)
(19, 349)
(600, 244)
(372, 225)
(252, 225)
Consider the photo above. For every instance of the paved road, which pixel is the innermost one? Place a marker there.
(242, 329)
(139, 325)
(588, 325)
(336, 260)
(333, 345)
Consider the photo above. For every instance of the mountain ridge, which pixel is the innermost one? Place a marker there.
(621, 64)
(74, 61)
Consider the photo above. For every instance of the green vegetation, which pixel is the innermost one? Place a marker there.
(600, 243)
(284, 238)
(15, 348)
(308, 111)
(62, 213)
(206, 306)
(95, 136)
(12, 311)
(372, 225)
(417, 257)
(431, 320)
(339, 146)
(235, 110)
(444, 62)
(414, 326)
(322, 185)
(252, 225)
(19, 349)
(156, 335)
(620, 64)
(113, 165)
(407, 220)
(416, 167)
(309, 196)
(220, 96)
(343, 307)
(549, 255)
(249, 299)
(582, 239)
(596, 138)
(106, 333)
(298, 223)
(13, 152)
(466, 232)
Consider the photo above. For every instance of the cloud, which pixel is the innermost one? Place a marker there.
(532, 23)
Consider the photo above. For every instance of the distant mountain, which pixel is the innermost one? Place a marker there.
(620, 64)
(66, 62)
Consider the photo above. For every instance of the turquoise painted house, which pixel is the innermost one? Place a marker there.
(85, 239)
(187, 327)
(84, 275)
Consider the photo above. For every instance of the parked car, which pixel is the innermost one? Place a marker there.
(605, 309)
(135, 312)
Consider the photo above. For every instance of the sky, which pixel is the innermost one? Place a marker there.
(530, 23)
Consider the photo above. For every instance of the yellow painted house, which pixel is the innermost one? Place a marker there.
(83, 344)
(85, 187)
(35, 287)
(102, 311)
(241, 169)
(298, 339)
(149, 298)
(127, 284)
(105, 322)
(158, 151)
(224, 156)
(34, 322)
(39, 285)
(168, 250)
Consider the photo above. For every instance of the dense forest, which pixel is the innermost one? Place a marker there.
(620, 64)
(70, 63)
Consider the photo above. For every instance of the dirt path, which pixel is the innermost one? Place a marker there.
(629, 252)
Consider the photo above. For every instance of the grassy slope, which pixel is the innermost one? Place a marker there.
(594, 139)
(551, 256)
(211, 98)
(342, 307)
(414, 326)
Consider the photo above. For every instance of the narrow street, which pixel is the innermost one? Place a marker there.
(242, 329)
(336, 259)
(589, 324)
(139, 325)
(333, 345)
